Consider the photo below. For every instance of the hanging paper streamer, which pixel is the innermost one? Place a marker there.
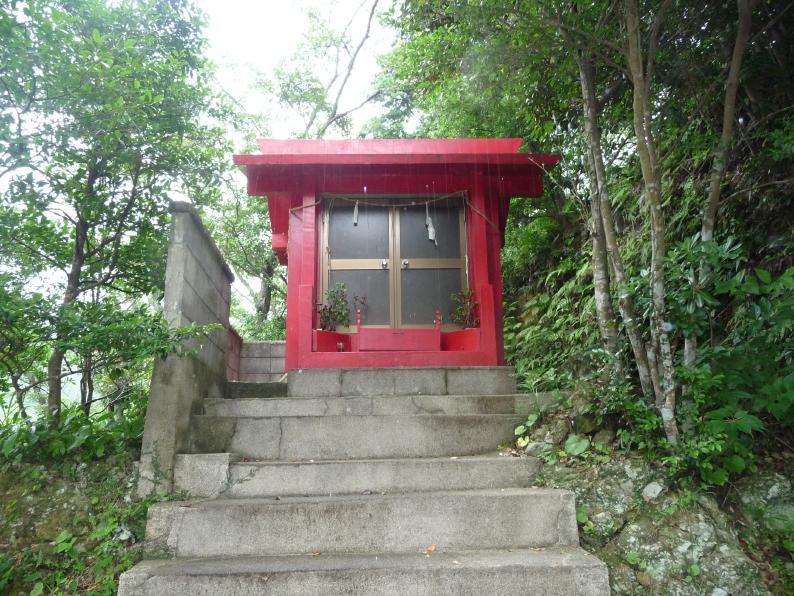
(355, 214)
(431, 231)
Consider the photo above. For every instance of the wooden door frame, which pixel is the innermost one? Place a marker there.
(392, 203)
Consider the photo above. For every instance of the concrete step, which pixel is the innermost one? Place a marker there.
(402, 523)
(216, 474)
(471, 380)
(551, 572)
(240, 390)
(250, 377)
(383, 405)
(351, 437)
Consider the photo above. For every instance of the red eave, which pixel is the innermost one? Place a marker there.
(541, 160)
(387, 146)
(389, 166)
(490, 152)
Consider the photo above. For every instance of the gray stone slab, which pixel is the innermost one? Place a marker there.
(481, 380)
(356, 406)
(255, 389)
(276, 364)
(202, 475)
(290, 406)
(404, 523)
(263, 378)
(561, 571)
(255, 365)
(368, 381)
(316, 382)
(420, 381)
(258, 349)
(271, 479)
(278, 349)
(352, 437)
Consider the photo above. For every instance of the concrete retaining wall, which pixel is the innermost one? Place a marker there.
(261, 362)
(197, 290)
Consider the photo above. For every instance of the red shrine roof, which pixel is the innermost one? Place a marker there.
(389, 167)
(491, 152)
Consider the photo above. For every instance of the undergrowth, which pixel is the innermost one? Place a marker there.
(69, 523)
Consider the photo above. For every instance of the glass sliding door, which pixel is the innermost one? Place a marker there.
(403, 258)
(431, 269)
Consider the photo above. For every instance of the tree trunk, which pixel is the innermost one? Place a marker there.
(266, 292)
(649, 164)
(19, 396)
(595, 154)
(87, 385)
(720, 159)
(55, 362)
(605, 314)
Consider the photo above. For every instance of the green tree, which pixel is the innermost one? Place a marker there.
(643, 100)
(102, 107)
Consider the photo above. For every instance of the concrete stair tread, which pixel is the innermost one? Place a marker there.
(558, 571)
(530, 557)
(373, 396)
(390, 405)
(222, 503)
(400, 460)
(212, 475)
(379, 416)
(356, 523)
(366, 436)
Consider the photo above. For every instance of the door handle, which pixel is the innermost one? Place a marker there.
(384, 264)
(405, 264)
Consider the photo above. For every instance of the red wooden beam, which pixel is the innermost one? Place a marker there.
(547, 161)
(387, 146)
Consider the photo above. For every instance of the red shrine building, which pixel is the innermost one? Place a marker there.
(409, 229)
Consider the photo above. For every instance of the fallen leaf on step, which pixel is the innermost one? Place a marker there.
(430, 549)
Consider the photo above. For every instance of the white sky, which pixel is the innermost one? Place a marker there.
(253, 36)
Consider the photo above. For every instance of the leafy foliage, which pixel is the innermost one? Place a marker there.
(335, 311)
(465, 307)
(496, 69)
(97, 539)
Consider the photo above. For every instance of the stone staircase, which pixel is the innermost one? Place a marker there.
(363, 482)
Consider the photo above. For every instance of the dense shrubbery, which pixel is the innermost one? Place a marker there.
(77, 437)
(489, 69)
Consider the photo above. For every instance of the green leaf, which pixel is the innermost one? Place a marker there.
(576, 444)
(763, 275)
(694, 570)
(64, 546)
(717, 477)
(37, 590)
(63, 536)
(581, 515)
(97, 36)
(747, 423)
(632, 558)
(735, 464)
(751, 286)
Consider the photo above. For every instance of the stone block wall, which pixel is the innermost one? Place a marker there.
(197, 290)
(198, 285)
(234, 346)
(261, 362)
